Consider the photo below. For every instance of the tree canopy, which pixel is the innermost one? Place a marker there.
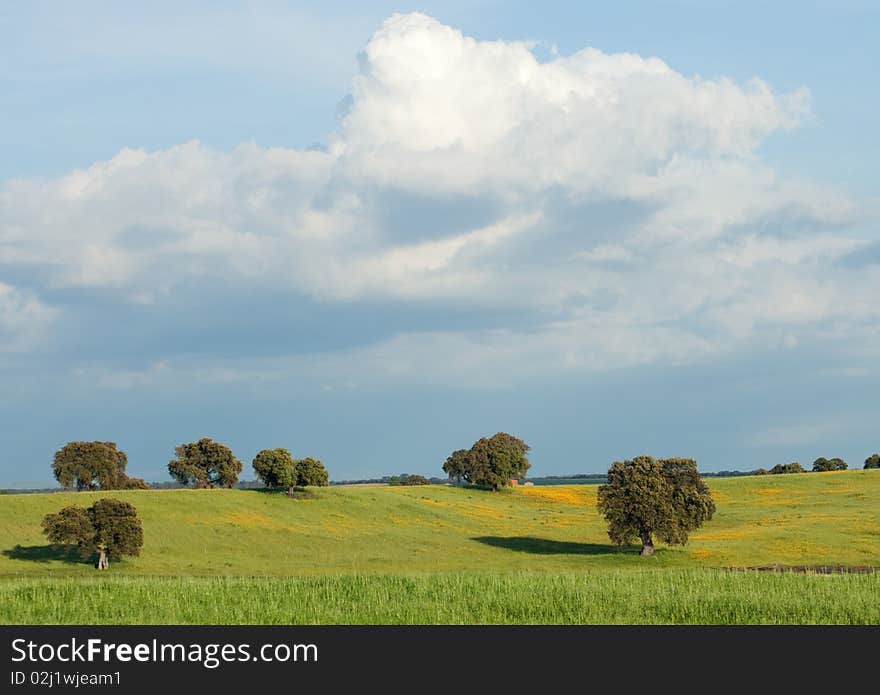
(110, 528)
(90, 466)
(93, 466)
(873, 461)
(311, 471)
(645, 497)
(492, 461)
(784, 468)
(457, 465)
(278, 469)
(205, 464)
(822, 464)
(134, 484)
(408, 479)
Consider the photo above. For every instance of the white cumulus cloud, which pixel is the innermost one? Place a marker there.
(600, 210)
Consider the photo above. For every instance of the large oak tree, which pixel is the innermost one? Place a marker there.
(278, 469)
(93, 466)
(822, 465)
(205, 464)
(492, 461)
(110, 528)
(644, 498)
(310, 472)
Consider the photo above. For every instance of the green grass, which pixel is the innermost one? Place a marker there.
(536, 554)
(654, 597)
(827, 518)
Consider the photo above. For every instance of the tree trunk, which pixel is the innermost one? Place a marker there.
(102, 559)
(290, 491)
(647, 544)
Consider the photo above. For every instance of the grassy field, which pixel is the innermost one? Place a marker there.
(442, 554)
(671, 596)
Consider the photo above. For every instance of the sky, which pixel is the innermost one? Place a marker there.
(372, 233)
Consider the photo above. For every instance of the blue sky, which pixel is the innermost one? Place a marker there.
(372, 233)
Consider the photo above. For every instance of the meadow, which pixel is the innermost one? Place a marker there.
(438, 554)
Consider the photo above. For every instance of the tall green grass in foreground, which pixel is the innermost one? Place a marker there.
(670, 596)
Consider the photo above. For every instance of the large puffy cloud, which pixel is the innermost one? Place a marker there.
(595, 211)
(434, 109)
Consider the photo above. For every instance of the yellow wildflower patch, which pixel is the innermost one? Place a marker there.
(720, 497)
(436, 503)
(562, 494)
(414, 521)
(777, 502)
(731, 534)
(564, 521)
(480, 512)
(250, 520)
(864, 526)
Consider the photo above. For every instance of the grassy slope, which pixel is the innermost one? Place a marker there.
(796, 519)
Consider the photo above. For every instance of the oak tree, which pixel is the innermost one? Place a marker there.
(644, 498)
(109, 528)
(311, 471)
(205, 464)
(276, 468)
(492, 461)
(90, 466)
(457, 466)
(786, 468)
(822, 464)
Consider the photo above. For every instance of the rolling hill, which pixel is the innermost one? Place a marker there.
(827, 518)
(438, 554)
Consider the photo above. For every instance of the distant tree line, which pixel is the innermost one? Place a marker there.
(561, 479)
(389, 480)
(820, 465)
(407, 479)
(490, 462)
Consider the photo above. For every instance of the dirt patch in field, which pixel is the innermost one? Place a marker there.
(810, 569)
